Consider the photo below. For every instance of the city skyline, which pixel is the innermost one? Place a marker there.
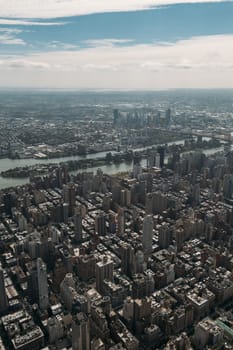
(116, 45)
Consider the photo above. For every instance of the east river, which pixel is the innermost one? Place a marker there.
(6, 163)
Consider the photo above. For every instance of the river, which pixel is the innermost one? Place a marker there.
(6, 163)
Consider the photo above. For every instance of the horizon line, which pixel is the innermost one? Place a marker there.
(110, 89)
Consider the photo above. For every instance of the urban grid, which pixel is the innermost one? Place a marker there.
(140, 259)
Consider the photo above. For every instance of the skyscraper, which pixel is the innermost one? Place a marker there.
(69, 196)
(81, 332)
(127, 258)
(168, 116)
(78, 225)
(3, 297)
(42, 284)
(100, 223)
(147, 234)
(121, 222)
(161, 151)
(165, 236)
(104, 270)
(115, 116)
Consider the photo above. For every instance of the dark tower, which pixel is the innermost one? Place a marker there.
(3, 297)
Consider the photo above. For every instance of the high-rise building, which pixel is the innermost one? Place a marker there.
(106, 204)
(139, 264)
(121, 222)
(81, 332)
(161, 151)
(168, 116)
(104, 270)
(65, 210)
(127, 258)
(42, 284)
(66, 259)
(3, 297)
(59, 177)
(115, 116)
(55, 331)
(195, 194)
(86, 266)
(69, 196)
(147, 234)
(137, 170)
(78, 226)
(165, 236)
(100, 223)
(9, 200)
(112, 222)
(68, 290)
(228, 186)
(153, 159)
(97, 344)
(116, 193)
(59, 272)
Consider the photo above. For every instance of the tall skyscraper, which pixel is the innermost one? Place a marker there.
(168, 116)
(42, 284)
(69, 196)
(127, 258)
(165, 236)
(115, 116)
(228, 186)
(147, 234)
(153, 159)
(3, 297)
(65, 209)
(78, 225)
(81, 332)
(121, 222)
(140, 264)
(104, 270)
(161, 151)
(59, 177)
(100, 223)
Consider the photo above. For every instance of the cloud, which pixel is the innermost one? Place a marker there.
(66, 8)
(99, 67)
(195, 62)
(7, 40)
(19, 22)
(8, 36)
(59, 45)
(106, 42)
(25, 63)
(10, 30)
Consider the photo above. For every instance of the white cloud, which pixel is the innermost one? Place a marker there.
(65, 8)
(7, 40)
(25, 63)
(19, 22)
(106, 42)
(59, 45)
(196, 62)
(8, 36)
(10, 30)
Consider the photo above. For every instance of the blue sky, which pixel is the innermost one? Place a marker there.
(176, 45)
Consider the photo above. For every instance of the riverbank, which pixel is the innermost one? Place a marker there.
(107, 158)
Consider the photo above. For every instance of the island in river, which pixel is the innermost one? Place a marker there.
(109, 158)
(71, 165)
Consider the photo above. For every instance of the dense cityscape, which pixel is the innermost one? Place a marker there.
(120, 235)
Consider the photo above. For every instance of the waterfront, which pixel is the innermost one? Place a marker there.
(6, 164)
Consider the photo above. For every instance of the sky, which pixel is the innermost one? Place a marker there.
(116, 44)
